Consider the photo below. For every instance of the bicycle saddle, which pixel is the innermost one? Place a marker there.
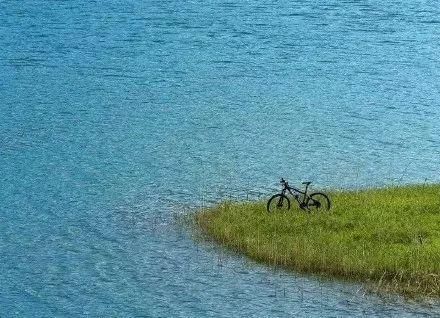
(307, 182)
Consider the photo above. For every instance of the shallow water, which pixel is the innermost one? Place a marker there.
(117, 116)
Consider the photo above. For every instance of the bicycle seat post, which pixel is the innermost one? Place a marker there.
(307, 183)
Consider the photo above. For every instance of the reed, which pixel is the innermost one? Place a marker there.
(387, 237)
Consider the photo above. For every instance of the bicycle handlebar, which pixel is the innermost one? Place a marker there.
(284, 183)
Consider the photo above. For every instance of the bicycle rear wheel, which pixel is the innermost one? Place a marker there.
(278, 202)
(318, 201)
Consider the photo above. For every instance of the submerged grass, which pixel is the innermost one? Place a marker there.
(388, 237)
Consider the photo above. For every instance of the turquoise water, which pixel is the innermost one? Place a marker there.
(118, 116)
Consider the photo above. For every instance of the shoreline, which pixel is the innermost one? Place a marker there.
(388, 238)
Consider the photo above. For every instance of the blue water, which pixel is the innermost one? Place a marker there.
(116, 116)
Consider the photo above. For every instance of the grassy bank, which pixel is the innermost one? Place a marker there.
(389, 238)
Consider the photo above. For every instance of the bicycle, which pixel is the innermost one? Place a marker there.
(313, 202)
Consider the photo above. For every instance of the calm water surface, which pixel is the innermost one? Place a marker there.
(118, 115)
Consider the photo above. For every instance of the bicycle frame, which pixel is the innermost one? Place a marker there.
(287, 188)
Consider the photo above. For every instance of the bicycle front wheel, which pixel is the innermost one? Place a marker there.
(318, 201)
(278, 202)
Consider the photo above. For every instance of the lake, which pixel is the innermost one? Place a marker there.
(118, 117)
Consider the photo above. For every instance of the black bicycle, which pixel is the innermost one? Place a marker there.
(314, 202)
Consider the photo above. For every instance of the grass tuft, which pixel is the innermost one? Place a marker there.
(388, 237)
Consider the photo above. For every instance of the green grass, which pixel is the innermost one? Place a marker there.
(389, 238)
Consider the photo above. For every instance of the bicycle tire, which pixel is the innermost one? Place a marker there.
(318, 201)
(282, 204)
